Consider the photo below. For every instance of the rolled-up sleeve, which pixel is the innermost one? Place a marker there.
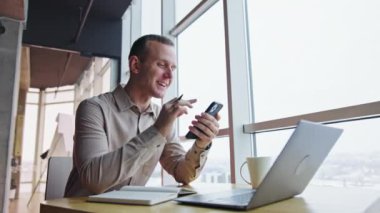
(183, 166)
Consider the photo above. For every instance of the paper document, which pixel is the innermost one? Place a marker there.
(140, 195)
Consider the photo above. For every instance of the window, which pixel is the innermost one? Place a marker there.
(184, 7)
(29, 138)
(202, 66)
(151, 17)
(202, 75)
(106, 80)
(63, 94)
(312, 56)
(308, 57)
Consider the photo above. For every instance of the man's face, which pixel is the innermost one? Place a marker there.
(157, 69)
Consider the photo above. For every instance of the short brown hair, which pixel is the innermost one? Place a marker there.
(139, 46)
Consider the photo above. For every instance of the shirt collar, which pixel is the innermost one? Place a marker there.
(124, 102)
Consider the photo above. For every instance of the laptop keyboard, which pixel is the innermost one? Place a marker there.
(242, 198)
(237, 198)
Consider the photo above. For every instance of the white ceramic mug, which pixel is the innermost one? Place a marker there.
(258, 167)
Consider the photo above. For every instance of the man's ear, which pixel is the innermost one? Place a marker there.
(134, 64)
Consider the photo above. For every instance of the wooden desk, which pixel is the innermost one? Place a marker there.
(313, 199)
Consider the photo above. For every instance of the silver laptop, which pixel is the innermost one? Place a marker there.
(293, 169)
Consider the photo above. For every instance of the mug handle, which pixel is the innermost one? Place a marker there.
(241, 173)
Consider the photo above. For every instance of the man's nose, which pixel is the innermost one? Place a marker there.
(169, 73)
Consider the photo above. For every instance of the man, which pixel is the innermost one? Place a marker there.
(121, 136)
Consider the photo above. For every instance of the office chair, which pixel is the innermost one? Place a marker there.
(58, 172)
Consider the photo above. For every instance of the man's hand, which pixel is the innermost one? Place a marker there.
(169, 112)
(209, 127)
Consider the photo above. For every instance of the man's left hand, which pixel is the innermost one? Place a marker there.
(209, 127)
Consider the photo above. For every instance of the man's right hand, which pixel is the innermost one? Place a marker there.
(169, 112)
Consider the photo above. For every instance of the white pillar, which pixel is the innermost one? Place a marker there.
(39, 137)
(239, 92)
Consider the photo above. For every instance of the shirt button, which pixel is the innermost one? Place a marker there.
(158, 145)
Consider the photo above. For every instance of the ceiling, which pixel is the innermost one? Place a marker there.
(54, 68)
(64, 35)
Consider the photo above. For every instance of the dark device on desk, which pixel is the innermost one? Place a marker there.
(212, 109)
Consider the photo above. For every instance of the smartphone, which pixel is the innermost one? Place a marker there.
(212, 109)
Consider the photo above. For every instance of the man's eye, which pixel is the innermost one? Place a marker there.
(161, 65)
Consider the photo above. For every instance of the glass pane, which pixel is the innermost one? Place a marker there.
(32, 97)
(151, 17)
(182, 8)
(106, 80)
(29, 142)
(60, 96)
(353, 161)
(53, 89)
(35, 90)
(105, 61)
(52, 112)
(155, 178)
(201, 76)
(310, 56)
(271, 143)
(217, 168)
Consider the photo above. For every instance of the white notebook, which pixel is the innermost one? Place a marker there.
(140, 195)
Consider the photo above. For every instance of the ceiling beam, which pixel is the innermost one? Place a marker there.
(53, 24)
(83, 20)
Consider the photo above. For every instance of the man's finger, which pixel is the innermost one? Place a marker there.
(188, 103)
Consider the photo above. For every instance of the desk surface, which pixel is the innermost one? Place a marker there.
(313, 199)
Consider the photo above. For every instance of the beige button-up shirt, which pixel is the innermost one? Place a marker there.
(116, 145)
